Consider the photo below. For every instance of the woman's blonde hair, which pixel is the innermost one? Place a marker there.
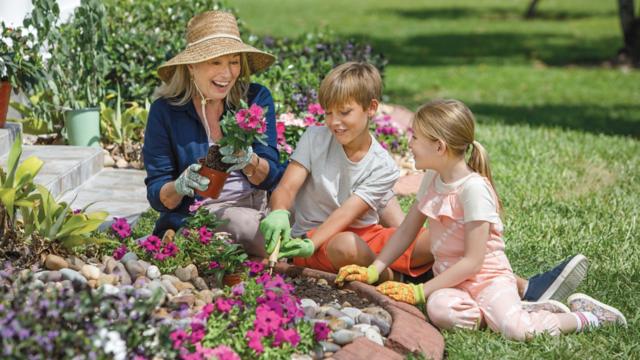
(452, 122)
(180, 89)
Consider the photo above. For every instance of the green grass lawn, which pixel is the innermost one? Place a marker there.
(561, 128)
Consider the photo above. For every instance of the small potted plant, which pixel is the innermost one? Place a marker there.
(20, 64)
(241, 129)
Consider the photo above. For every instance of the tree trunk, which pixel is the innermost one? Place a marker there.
(630, 24)
(531, 10)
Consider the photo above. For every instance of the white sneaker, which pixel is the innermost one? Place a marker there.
(549, 305)
(606, 314)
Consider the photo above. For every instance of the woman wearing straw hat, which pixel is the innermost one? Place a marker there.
(208, 78)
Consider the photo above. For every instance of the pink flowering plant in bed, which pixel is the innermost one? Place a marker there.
(290, 127)
(259, 318)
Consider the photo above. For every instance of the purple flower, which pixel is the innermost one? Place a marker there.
(321, 331)
(120, 252)
(121, 227)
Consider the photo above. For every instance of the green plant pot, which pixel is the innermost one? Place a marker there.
(83, 127)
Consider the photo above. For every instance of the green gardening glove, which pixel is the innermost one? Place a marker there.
(410, 293)
(190, 180)
(363, 274)
(297, 247)
(273, 227)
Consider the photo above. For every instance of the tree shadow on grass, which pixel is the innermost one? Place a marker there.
(611, 120)
(493, 13)
(493, 48)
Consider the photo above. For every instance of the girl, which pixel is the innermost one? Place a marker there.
(473, 281)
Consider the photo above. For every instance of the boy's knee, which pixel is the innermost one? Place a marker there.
(347, 248)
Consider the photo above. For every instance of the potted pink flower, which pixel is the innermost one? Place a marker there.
(241, 129)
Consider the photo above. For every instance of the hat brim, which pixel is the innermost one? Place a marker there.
(258, 60)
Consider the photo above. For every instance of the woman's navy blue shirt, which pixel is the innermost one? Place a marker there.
(175, 138)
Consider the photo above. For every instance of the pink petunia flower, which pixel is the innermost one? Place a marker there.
(255, 341)
(120, 252)
(178, 337)
(321, 331)
(315, 109)
(223, 352)
(254, 267)
(195, 206)
(205, 235)
(223, 305)
(121, 227)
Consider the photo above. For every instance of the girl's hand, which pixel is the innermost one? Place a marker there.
(367, 275)
(409, 293)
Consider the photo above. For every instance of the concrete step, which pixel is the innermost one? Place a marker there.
(120, 192)
(65, 167)
(7, 136)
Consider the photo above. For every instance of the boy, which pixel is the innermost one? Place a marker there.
(340, 179)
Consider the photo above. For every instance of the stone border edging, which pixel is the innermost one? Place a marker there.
(410, 331)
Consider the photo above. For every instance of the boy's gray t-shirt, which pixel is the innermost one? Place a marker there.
(333, 178)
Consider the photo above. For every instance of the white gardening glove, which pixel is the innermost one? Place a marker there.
(239, 159)
(190, 180)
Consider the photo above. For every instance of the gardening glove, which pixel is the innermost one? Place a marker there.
(273, 227)
(239, 159)
(190, 180)
(410, 293)
(363, 274)
(297, 247)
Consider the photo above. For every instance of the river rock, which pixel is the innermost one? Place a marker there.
(183, 273)
(142, 282)
(181, 286)
(72, 275)
(329, 346)
(134, 268)
(109, 290)
(153, 272)
(383, 325)
(183, 298)
(75, 263)
(374, 336)
(200, 284)
(90, 272)
(364, 318)
(352, 312)
(55, 262)
(49, 276)
(122, 274)
(168, 286)
(343, 337)
(130, 256)
(105, 279)
(348, 321)
(109, 264)
(337, 324)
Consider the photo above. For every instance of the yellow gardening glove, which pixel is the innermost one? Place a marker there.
(409, 293)
(363, 274)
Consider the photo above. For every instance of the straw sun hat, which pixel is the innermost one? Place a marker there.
(212, 34)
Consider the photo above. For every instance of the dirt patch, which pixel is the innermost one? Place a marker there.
(322, 293)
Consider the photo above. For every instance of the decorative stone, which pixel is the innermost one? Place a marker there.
(168, 286)
(184, 274)
(335, 313)
(130, 256)
(308, 302)
(122, 274)
(329, 346)
(374, 336)
(364, 318)
(153, 272)
(170, 278)
(188, 299)
(352, 312)
(379, 312)
(181, 286)
(92, 283)
(49, 276)
(384, 326)
(75, 263)
(109, 264)
(337, 324)
(343, 337)
(322, 283)
(135, 270)
(107, 280)
(144, 293)
(200, 284)
(72, 275)
(144, 264)
(348, 321)
(55, 262)
(301, 357)
(90, 272)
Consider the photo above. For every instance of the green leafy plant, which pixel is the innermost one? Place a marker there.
(118, 126)
(56, 222)
(79, 63)
(17, 188)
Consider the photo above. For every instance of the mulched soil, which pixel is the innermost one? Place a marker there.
(323, 293)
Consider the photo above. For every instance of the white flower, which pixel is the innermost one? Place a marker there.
(116, 346)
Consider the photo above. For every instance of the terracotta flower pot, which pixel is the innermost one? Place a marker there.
(5, 95)
(216, 178)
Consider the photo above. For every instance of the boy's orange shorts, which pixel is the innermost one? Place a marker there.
(376, 236)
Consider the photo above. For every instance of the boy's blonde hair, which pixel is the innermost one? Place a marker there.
(452, 122)
(357, 81)
(179, 90)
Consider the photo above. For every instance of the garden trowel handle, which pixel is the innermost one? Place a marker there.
(273, 258)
